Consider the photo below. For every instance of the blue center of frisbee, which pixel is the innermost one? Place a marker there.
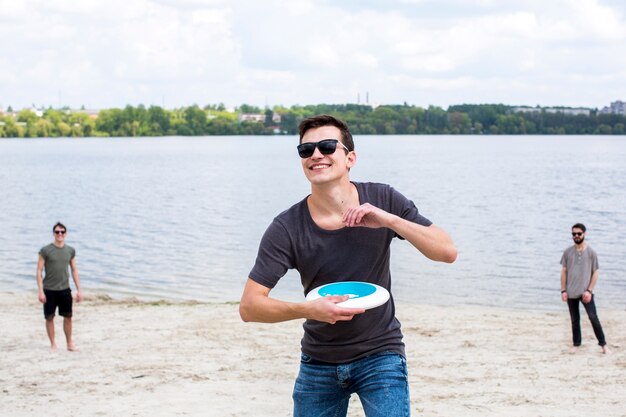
(351, 289)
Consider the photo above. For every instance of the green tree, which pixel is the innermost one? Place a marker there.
(604, 130)
(248, 109)
(45, 128)
(64, 129)
(289, 123)
(110, 121)
(196, 120)
(12, 129)
(27, 116)
(459, 123)
(435, 120)
(269, 114)
(222, 126)
(158, 122)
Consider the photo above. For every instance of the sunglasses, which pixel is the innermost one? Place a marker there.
(59, 232)
(326, 147)
(577, 234)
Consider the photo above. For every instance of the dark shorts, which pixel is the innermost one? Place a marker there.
(54, 299)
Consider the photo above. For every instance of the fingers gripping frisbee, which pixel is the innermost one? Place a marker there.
(362, 294)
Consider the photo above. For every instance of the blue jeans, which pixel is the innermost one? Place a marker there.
(381, 381)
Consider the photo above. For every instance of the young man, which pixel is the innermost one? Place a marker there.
(54, 288)
(341, 232)
(578, 278)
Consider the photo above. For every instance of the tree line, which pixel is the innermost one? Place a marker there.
(466, 119)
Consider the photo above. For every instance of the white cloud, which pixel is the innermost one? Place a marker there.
(599, 21)
(110, 53)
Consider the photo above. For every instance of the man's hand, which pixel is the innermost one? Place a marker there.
(586, 297)
(79, 296)
(42, 297)
(326, 309)
(564, 296)
(366, 215)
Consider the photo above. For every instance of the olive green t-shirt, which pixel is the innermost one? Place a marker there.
(57, 262)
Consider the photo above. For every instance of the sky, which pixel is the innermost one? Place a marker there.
(173, 53)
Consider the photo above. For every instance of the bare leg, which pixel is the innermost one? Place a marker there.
(67, 328)
(50, 331)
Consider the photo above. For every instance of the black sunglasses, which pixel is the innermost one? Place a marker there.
(326, 147)
(577, 233)
(59, 232)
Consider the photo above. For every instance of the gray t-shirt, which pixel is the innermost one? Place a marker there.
(57, 261)
(294, 241)
(580, 267)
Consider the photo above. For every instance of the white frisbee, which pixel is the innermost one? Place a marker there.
(362, 294)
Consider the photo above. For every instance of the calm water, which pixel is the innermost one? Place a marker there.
(181, 218)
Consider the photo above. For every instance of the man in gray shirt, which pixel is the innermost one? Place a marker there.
(578, 278)
(54, 287)
(342, 231)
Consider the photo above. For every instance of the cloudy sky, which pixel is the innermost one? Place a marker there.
(109, 53)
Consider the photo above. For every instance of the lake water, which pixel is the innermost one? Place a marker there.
(181, 218)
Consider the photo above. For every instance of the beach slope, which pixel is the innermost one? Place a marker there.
(191, 359)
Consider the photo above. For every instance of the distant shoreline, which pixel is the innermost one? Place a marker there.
(363, 119)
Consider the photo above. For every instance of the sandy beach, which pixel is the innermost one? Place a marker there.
(196, 359)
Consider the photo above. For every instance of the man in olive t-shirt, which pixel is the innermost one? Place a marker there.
(54, 287)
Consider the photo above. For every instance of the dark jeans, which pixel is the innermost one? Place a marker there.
(574, 314)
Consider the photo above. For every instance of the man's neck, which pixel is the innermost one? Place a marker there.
(329, 199)
(58, 245)
(580, 246)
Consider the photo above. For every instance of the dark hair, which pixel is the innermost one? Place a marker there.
(59, 224)
(326, 120)
(579, 226)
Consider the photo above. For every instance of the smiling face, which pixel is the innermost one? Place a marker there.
(59, 235)
(323, 169)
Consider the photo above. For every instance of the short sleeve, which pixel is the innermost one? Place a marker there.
(73, 254)
(406, 209)
(594, 262)
(275, 256)
(43, 253)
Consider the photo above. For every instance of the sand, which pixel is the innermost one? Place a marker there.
(196, 359)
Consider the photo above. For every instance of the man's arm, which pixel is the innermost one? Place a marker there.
(431, 240)
(76, 278)
(40, 294)
(594, 279)
(564, 283)
(257, 306)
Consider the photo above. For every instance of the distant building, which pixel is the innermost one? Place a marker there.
(526, 109)
(37, 111)
(250, 117)
(565, 110)
(617, 107)
(569, 111)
